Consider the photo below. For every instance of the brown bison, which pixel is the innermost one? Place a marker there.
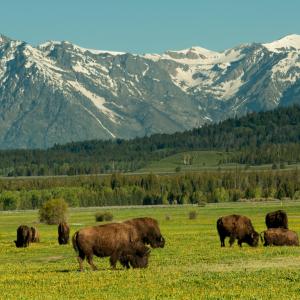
(280, 237)
(148, 231)
(35, 235)
(277, 219)
(134, 258)
(237, 227)
(116, 240)
(63, 233)
(23, 236)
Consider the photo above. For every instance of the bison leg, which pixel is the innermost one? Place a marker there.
(222, 239)
(240, 243)
(231, 240)
(80, 259)
(125, 264)
(90, 261)
(114, 258)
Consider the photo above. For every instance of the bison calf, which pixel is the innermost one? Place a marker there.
(24, 236)
(134, 258)
(35, 235)
(237, 227)
(108, 240)
(148, 231)
(277, 219)
(63, 233)
(280, 237)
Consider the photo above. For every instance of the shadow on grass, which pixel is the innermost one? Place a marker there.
(88, 270)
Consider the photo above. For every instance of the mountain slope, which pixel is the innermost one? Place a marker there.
(256, 138)
(59, 92)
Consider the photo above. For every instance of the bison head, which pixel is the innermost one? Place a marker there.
(18, 244)
(155, 241)
(140, 261)
(253, 239)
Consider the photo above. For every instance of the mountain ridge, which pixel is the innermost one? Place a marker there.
(59, 92)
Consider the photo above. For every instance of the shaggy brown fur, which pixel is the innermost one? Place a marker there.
(35, 235)
(134, 258)
(105, 240)
(23, 236)
(148, 231)
(237, 227)
(277, 219)
(63, 233)
(280, 237)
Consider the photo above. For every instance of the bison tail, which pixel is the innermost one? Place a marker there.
(74, 242)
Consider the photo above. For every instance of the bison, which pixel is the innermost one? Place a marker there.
(279, 237)
(237, 227)
(63, 233)
(23, 236)
(277, 219)
(131, 257)
(116, 240)
(35, 235)
(148, 231)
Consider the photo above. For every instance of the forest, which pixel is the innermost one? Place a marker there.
(257, 138)
(119, 189)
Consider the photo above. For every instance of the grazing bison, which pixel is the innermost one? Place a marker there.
(63, 233)
(111, 240)
(277, 219)
(280, 237)
(23, 236)
(135, 259)
(35, 235)
(148, 231)
(237, 227)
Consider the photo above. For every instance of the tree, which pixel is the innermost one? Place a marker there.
(53, 211)
(220, 195)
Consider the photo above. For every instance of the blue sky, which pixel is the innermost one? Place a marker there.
(141, 26)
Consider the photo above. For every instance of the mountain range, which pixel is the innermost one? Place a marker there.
(58, 92)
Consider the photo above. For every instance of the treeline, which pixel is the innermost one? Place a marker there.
(252, 137)
(267, 154)
(118, 189)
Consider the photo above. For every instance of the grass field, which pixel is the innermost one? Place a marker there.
(191, 266)
(202, 160)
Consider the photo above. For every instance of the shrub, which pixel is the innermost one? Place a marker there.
(102, 216)
(53, 211)
(9, 200)
(178, 169)
(201, 203)
(192, 215)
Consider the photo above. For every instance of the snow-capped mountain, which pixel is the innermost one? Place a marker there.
(59, 92)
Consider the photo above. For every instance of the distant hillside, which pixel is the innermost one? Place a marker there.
(59, 92)
(257, 138)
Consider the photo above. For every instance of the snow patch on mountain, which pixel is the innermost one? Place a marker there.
(290, 42)
(231, 87)
(97, 100)
(97, 52)
(98, 121)
(45, 65)
(287, 69)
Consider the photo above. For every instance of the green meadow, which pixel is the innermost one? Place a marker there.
(195, 160)
(201, 161)
(191, 266)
